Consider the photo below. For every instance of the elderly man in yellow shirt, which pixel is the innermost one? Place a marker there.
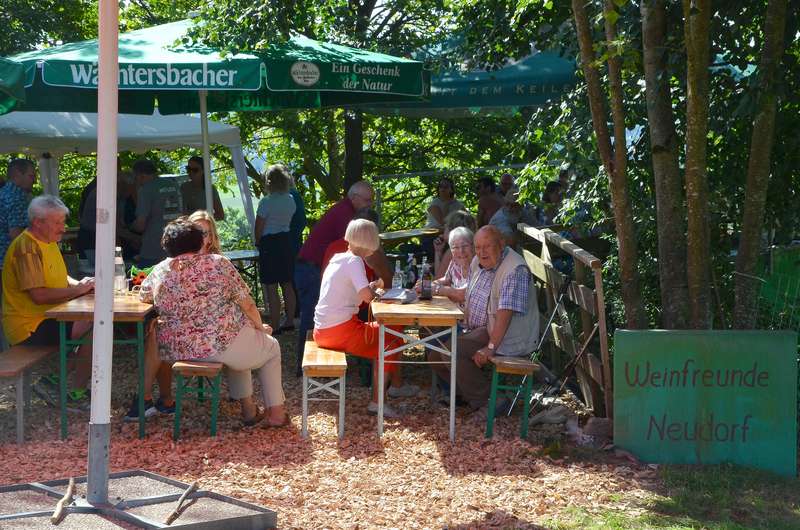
(35, 279)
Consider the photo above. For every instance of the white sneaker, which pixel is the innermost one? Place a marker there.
(403, 391)
(388, 411)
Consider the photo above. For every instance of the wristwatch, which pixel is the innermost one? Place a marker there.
(491, 346)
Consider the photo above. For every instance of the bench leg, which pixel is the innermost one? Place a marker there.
(304, 430)
(526, 406)
(341, 407)
(62, 372)
(490, 409)
(176, 427)
(26, 382)
(215, 386)
(20, 390)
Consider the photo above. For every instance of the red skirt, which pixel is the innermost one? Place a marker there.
(358, 338)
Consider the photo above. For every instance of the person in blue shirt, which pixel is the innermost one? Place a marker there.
(15, 196)
(275, 246)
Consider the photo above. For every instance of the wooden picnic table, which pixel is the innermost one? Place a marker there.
(438, 312)
(246, 262)
(127, 308)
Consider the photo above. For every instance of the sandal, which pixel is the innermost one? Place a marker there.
(256, 419)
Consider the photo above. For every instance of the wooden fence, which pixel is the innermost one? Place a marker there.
(582, 309)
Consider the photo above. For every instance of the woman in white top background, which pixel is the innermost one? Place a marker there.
(276, 257)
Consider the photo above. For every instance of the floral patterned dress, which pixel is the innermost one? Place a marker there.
(197, 297)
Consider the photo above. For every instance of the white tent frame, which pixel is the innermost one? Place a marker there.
(47, 136)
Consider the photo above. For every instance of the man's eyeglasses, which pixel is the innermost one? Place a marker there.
(192, 169)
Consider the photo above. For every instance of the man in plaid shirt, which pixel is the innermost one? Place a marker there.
(502, 317)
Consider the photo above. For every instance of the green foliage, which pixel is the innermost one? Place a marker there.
(137, 14)
(490, 32)
(234, 232)
(28, 24)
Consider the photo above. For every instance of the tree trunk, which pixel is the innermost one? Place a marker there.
(758, 168)
(615, 163)
(697, 17)
(353, 148)
(670, 216)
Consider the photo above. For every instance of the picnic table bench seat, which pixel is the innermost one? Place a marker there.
(16, 363)
(321, 362)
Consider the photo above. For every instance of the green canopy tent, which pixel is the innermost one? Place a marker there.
(157, 69)
(529, 82)
(12, 90)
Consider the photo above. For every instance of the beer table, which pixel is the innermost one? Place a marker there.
(246, 262)
(439, 312)
(127, 309)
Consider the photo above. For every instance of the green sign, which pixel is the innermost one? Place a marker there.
(241, 75)
(705, 397)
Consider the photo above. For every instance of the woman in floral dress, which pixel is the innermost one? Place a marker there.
(206, 314)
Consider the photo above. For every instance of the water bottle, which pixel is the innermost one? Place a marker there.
(426, 281)
(397, 279)
(120, 282)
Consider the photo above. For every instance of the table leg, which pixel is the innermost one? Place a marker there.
(62, 375)
(140, 364)
(453, 363)
(381, 341)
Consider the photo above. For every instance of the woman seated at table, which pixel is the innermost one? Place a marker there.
(344, 287)
(453, 282)
(155, 369)
(227, 330)
(442, 254)
(376, 266)
(208, 226)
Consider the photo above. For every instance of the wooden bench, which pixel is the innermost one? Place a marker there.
(204, 372)
(16, 363)
(511, 366)
(319, 362)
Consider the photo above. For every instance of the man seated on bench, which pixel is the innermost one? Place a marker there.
(501, 316)
(35, 279)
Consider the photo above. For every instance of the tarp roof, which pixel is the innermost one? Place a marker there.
(76, 132)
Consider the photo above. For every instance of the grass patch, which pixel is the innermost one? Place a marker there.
(723, 497)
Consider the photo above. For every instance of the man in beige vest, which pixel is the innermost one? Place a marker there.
(502, 316)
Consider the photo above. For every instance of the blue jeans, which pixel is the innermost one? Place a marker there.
(306, 279)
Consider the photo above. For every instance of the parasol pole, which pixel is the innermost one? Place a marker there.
(102, 345)
(206, 156)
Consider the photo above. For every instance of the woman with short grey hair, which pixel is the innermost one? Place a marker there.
(455, 279)
(344, 287)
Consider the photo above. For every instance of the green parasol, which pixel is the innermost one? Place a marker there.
(156, 70)
(529, 82)
(11, 85)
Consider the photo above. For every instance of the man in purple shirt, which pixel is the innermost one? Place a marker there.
(307, 275)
